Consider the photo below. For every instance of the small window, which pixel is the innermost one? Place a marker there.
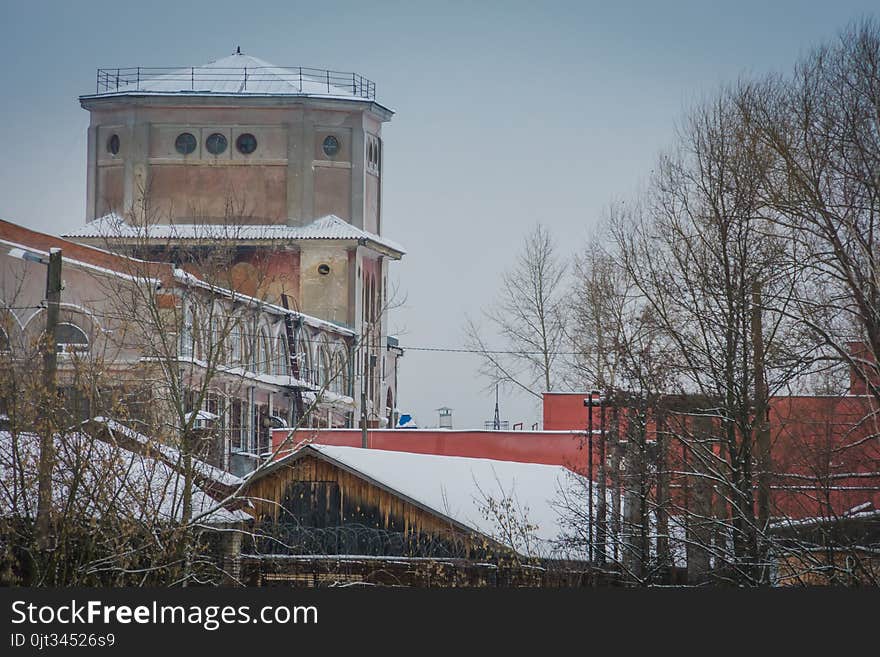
(331, 146)
(216, 144)
(113, 145)
(70, 338)
(323, 269)
(185, 143)
(246, 143)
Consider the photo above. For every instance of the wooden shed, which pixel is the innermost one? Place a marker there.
(343, 500)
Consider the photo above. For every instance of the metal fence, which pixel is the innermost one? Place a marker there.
(254, 80)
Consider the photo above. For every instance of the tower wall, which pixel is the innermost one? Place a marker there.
(287, 179)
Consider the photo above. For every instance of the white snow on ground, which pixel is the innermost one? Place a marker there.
(97, 478)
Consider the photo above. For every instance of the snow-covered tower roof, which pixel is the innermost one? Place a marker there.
(237, 75)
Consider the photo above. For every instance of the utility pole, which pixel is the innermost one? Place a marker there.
(588, 402)
(762, 420)
(364, 412)
(50, 363)
(602, 510)
(366, 380)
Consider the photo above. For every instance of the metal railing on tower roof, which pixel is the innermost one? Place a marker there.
(257, 80)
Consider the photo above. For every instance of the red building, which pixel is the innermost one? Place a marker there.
(824, 450)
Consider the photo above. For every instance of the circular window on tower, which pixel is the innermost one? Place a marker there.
(323, 269)
(216, 144)
(246, 143)
(185, 143)
(330, 146)
(113, 145)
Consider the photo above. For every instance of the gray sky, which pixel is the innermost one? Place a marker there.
(508, 113)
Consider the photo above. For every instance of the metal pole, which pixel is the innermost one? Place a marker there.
(364, 411)
(590, 474)
(602, 513)
(50, 362)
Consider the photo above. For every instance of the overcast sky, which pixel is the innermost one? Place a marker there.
(508, 114)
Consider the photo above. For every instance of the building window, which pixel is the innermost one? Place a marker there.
(264, 364)
(246, 143)
(70, 338)
(187, 341)
(235, 343)
(323, 269)
(372, 154)
(281, 358)
(216, 144)
(113, 145)
(330, 146)
(185, 143)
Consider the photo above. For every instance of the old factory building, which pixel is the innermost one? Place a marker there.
(284, 166)
(260, 189)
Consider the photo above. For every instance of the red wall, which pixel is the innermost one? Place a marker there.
(824, 455)
(565, 411)
(564, 448)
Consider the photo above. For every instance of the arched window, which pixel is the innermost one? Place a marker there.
(340, 373)
(187, 337)
(213, 343)
(326, 368)
(235, 343)
(263, 363)
(303, 363)
(281, 359)
(252, 345)
(70, 338)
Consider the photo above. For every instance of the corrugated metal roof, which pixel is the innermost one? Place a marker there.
(329, 227)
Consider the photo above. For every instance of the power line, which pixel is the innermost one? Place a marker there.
(462, 350)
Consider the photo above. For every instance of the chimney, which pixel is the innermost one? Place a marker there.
(861, 372)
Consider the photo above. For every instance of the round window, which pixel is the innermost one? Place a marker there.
(113, 145)
(185, 143)
(331, 146)
(216, 143)
(246, 143)
(323, 269)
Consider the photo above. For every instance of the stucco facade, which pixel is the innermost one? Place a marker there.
(294, 158)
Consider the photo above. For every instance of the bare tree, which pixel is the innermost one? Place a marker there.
(528, 317)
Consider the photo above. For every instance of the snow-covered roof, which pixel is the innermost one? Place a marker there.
(235, 75)
(206, 471)
(460, 488)
(103, 478)
(329, 227)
